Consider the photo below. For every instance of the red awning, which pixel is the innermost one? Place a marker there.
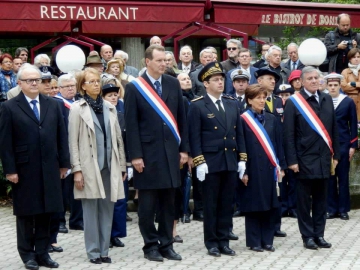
(34, 26)
(282, 13)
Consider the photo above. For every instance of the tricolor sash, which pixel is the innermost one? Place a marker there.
(67, 103)
(264, 140)
(158, 105)
(311, 118)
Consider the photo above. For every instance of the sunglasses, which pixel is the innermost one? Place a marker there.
(231, 48)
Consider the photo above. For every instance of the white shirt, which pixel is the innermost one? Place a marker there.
(213, 99)
(309, 94)
(31, 105)
(242, 97)
(247, 69)
(186, 68)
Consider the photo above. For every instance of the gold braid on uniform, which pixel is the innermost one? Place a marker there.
(243, 157)
(199, 160)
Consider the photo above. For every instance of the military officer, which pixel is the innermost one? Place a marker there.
(214, 142)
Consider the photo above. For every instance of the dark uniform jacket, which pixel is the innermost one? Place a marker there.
(148, 136)
(278, 107)
(260, 193)
(35, 151)
(198, 87)
(212, 140)
(303, 146)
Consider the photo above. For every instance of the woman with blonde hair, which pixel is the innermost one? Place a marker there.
(98, 163)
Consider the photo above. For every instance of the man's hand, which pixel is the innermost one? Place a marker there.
(342, 45)
(183, 158)
(245, 179)
(14, 178)
(294, 168)
(190, 164)
(335, 162)
(138, 164)
(351, 153)
(124, 177)
(63, 172)
(130, 172)
(201, 171)
(241, 168)
(354, 43)
(79, 180)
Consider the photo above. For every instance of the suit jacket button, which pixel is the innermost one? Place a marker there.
(234, 126)
(225, 149)
(40, 127)
(90, 145)
(224, 138)
(164, 124)
(233, 138)
(215, 127)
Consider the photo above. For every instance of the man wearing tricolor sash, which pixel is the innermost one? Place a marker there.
(346, 119)
(157, 142)
(214, 134)
(311, 150)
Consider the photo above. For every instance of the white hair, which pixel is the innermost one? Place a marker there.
(66, 77)
(27, 66)
(273, 48)
(154, 37)
(205, 51)
(37, 59)
(185, 47)
(123, 54)
(292, 44)
(235, 41)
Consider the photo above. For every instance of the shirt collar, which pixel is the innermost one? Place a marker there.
(309, 94)
(213, 99)
(30, 99)
(152, 79)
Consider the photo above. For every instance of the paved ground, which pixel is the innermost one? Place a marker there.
(289, 254)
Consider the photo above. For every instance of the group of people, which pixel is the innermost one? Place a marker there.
(260, 141)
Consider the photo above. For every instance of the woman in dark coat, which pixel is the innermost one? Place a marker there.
(258, 190)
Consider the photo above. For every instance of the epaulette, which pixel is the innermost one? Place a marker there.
(228, 96)
(276, 96)
(196, 99)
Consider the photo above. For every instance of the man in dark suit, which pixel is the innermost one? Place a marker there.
(35, 155)
(294, 62)
(311, 157)
(186, 63)
(156, 152)
(206, 56)
(214, 131)
(346, 119)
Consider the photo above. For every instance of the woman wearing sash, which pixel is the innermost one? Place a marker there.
(98, 163)
(258, 191)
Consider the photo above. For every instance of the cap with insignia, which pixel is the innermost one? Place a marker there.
(46, 72)
(109, 88)
(285, 88)
(212, 68)
(267, 71)
(240, 74)
(333, 77)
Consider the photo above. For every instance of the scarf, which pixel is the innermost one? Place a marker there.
(354, 69)
(7, 73)
(188, 94)
(96, 105)
(260, 117)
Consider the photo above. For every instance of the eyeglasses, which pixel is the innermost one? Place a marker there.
(93, 82)
(232, 49)
(217, 80)
(72, 86)
(31, 81)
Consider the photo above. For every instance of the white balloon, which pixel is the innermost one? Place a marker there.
(70, 57)
(312, 52)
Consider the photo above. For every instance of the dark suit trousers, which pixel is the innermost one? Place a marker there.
(218, 193)
(197, 194)
(311, 195)
(160, 201)
(33, 235)
(260, 227)
(54, 226)
(338, 192)
(288, 193)
(118, 228)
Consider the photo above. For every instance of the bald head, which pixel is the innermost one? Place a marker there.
(106, 52)
(155, 40)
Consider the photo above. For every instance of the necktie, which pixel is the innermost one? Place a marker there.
(239, 99)
(294, 66)
(35, 109)
(314, 97)
(158, 88)
(221, 110)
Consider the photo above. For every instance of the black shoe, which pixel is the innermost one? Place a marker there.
(233, 236)
(320, 241)
(154, 255)
(117, 242)
(214, 252)
(49, 263)
(280, 234)
(198, 217)
(237, 213)
(128, 218)
(331, 215)
(96, 261)
(293, 214)
(310, 244)
(257, 249)
(105, 259)
(63, 229)
(269, 248)
(57, 248)
(170, 254)
(50, 249)
(77, 227)
(32, 265)
(344, 216)
(178, 239)
(187, 219)
(227, 251)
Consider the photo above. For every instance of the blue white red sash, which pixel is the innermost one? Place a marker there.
(67, 103)
(158, 105)
(311, 118)
(264, 140)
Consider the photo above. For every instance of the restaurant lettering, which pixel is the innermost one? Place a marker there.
(88, 13)
(299, 19)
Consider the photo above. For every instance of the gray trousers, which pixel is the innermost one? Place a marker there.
(98, 215)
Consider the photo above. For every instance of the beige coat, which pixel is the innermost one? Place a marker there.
(352, 92)
(83, 152)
